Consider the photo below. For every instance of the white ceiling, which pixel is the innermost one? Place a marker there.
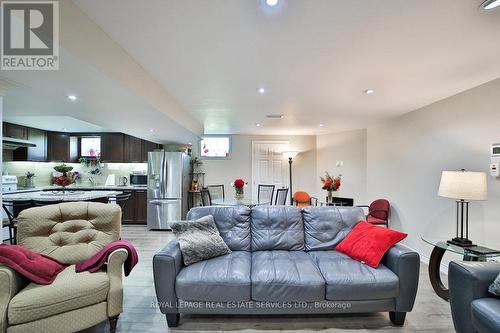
(39, 99)
(315, 58)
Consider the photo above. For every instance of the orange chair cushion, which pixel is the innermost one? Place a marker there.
(301, 197)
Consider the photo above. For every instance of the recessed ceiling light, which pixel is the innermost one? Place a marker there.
(272, 3)
(321, 125)
(257, 124)
(274, 116)
(261, 91)
(490, 4)
(72, 97)
(369, 91)
(151, 130)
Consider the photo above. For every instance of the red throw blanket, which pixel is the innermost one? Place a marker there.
(99, 259)
(37, 267)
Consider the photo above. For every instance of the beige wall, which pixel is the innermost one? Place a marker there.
(406, 156)
(350, 148)
(240, 164)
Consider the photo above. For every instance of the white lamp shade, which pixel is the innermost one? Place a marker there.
(466, 185)
(290, 154)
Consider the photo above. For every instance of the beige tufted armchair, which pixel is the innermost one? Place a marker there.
(69, 233)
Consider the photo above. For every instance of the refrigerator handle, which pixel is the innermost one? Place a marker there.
(162, 176)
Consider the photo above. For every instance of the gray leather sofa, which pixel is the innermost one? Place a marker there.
(283, 262)
(472, 307)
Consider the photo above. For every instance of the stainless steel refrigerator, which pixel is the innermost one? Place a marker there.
(168, 185)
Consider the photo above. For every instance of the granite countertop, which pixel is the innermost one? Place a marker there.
(79, 187)
(59, 195)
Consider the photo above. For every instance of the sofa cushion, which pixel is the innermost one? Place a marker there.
(69, 291)
(486, 315)
(233, 224)
(325, 227)
(349, 280)
(286, 276)
(199, 240)
(222, 279)
(277, 228)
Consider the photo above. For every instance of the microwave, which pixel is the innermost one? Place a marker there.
(138, 180)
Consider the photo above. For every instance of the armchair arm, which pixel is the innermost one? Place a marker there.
(468, 281)
(405, 263)
(115, 272)
(11, 283)
(166, 265)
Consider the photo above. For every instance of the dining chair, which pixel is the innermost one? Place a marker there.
(378, 212)
(216, 191)
(281, 194)
(206, 199)
(120, 199)
(314, 201)
(12, 209)
(301, 199)
(265, 194)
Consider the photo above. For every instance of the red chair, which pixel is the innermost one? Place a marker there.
(378, 212)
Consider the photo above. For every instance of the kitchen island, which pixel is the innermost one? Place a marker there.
(58, 196)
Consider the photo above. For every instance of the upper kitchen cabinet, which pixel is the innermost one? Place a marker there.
(112, 147)
(132, 151)
(148, 146)
(33, 154)
(15, 131)
(62, 147)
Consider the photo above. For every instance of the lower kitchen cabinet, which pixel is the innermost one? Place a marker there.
(135, 210)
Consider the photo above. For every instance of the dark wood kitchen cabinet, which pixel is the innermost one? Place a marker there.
(112, 147)
(141, 204)
(135, 210)
(132, 149)
(62, 147)
(147, 146)
(15, 131)
(33, 154)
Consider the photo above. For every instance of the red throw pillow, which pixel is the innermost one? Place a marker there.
(368, 243)
(34, 266)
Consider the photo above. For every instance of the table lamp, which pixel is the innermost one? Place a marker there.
(464, 186)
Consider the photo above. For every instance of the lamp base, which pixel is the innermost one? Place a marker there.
(462, 242)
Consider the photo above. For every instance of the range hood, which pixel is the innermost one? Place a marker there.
(13, 143)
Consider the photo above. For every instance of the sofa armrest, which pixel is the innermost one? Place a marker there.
(115, 272)
(11, 282)
(405, 263)
(468, 281)
(166, 265)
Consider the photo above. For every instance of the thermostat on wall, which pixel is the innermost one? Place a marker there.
(495, 160)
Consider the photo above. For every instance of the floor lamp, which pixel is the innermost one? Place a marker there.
(290, 155)
(464, 186)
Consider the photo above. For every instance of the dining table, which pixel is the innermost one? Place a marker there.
(239, 202)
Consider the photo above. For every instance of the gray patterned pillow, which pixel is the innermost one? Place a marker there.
(495, 286)
(199, 240)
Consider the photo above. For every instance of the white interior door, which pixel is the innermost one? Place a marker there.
(268, 165)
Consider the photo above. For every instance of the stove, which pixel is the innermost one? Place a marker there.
(9, 183)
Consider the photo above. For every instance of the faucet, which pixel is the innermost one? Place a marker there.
(92, 181)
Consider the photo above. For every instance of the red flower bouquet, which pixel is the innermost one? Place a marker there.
(238, 185)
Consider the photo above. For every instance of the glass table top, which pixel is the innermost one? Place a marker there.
(456, 249)
(239, 202)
